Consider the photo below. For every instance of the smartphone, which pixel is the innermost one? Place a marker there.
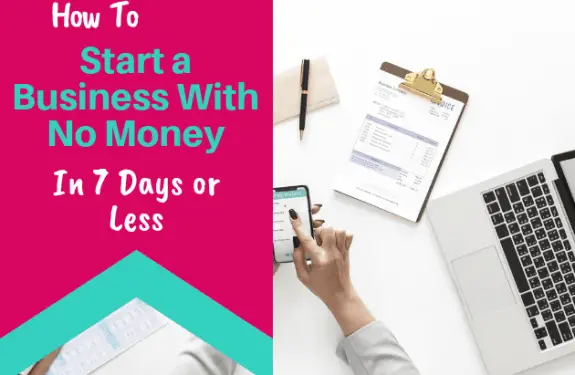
(286, 198)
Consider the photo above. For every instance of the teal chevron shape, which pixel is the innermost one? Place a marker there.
(136, 276)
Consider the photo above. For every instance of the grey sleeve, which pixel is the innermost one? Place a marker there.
(199, 358)
(373, 350)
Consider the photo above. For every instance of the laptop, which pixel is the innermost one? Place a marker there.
(510, 248)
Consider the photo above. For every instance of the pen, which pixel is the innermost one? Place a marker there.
(304, 79)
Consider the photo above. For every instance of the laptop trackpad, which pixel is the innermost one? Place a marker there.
(482, 280)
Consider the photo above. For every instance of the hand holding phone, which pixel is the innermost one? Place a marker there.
(286, 198)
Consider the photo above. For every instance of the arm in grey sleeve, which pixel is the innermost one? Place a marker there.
(373, 350)
(199, 358)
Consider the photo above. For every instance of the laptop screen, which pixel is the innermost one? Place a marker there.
(568, 167)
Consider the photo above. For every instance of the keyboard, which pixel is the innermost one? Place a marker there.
(534, 240)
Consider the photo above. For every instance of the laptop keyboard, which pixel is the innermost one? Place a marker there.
(540, 256)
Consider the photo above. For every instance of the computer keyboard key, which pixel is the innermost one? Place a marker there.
(526, 261)
(553, 333)
(534, 323)
(555, 305)
(550, 200)
(503, 200)
(535, 251)
(509, 217)
(544, 245)
(539, 293)
(560, 316)
(570, 254)
(542, 273)
(528, 201)
(493, 207)
(553, 235)
(541, 202)
(518, 207)
(569, 310)
(549, 223)
(554, 211)
(545, 189)
(542, 304)
(522, 187)
(534, 311)
(540, 333)
(547, 315)
(562, 256)
(565, 299)
(540, 233)
(572, 290)
(518, 239)
(521, 250)
(522, 219)
(534, 282)
(562, 234)
(547, 284)
(532, 212)
(536, 223)
(514, 265)
(566, 333)
(545, 214)
(542, 345)
(514, 228)
(530, 271)
(541, 177)
(497, 219)
(549, 255)
(530, 240)
(561, 288)
(502, 231)
(526, 229)
(551, 295)
(539, 262)
(570, 279)
(566, 268)
(553, 266)
(537, 192)
(558, 246)
(572, 321)
(567, 245)
(489, 197)
(512, 193)
(528, 299)
(557, 278)
(558, 223)
(532, 180)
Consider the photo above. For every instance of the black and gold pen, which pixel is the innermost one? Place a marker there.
(304, 79)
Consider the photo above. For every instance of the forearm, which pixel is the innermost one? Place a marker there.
(350, 312)
(374, 350)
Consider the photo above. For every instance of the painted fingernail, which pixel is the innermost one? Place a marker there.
(295, 242)
(319, 205)
(320, 221)
(292, 214)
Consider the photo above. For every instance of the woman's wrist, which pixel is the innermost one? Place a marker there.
(349, 311)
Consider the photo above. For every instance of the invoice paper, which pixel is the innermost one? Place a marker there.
(108, 339)
(399, 148)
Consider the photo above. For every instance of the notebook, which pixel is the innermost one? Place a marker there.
(287, 90)
(400, 146)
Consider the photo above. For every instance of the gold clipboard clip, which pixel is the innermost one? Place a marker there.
(423, 84)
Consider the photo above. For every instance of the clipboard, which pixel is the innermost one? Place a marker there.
(425, 85)
(418, 90)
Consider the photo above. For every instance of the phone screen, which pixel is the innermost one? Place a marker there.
(296, 198)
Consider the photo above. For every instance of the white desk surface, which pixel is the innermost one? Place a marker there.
(515, 61)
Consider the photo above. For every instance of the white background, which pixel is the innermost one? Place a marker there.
(514, 58)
